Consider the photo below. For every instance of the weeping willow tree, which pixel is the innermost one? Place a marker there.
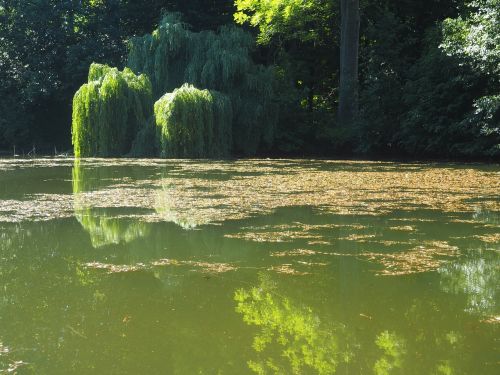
(232, 111)
(162, 55)
(173, 55)
(103, 227)
(109, 111)
(194, 123)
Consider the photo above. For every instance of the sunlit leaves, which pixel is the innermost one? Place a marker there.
(476, 37)
(277, 16)
(194, 123)
(109, 111)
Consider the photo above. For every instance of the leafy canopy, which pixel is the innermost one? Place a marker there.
(109, 111)
(476, 37)
(288, 18)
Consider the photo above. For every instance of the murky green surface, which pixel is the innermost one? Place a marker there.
(287, 267)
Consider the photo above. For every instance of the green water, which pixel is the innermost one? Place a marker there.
(286, 267)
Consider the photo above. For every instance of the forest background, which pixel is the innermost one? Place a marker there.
(429, 72)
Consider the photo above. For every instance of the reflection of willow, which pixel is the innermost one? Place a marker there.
(477, 276)
(104, 229)
(305, 344)
(181, 213)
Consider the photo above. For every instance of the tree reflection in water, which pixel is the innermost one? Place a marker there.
(394, 350)
(104, 227)
(292, 338)
(477, 276)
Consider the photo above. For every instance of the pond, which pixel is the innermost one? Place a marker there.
(250, 266)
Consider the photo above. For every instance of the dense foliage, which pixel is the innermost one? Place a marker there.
(428, 85)
(194, 123)
(109, 111)
(173, 55)
(47, 46)
(429, 81)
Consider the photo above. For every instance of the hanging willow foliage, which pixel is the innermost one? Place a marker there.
(194, 123)
(109, 111)
(220, 61)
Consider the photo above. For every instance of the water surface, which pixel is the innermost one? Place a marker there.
(253, 266)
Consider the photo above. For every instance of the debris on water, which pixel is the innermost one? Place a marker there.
(358, 237)
(424, 258)
(296, 252)
(287, 269)
(13, 366)
(204, 267)
(365, 316)
(312, 263)
(489, 238)
(3, 349)
(491, 320)
(75, 332)
(116, 268)
(403, 228)
(191, 196)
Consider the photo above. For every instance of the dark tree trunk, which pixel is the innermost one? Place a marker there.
(349, 45)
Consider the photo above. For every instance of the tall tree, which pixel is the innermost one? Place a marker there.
(349, 55)
(300, 38)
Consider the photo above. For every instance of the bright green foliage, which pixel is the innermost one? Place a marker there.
(173, 55)
(109, 111)
(476, 37)
(194, 123)
(476, 41)
(274, 17)
(306, 345)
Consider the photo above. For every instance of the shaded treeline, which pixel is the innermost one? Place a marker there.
(428, 86)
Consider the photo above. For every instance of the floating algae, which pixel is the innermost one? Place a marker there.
(109, 111)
